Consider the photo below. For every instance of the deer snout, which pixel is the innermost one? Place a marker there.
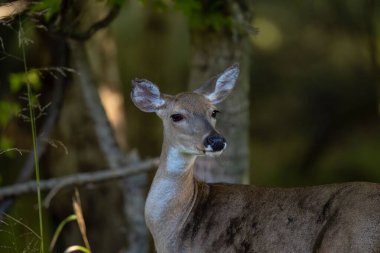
(215, 143)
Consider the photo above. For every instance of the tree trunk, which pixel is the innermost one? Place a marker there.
(102, 205)
(212, 52)
(104, 61)
(114, 212)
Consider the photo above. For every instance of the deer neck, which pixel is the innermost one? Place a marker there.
(172, 193)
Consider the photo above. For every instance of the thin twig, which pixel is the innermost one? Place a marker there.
(23, 224)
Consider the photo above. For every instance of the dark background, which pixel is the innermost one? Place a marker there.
(314, 93)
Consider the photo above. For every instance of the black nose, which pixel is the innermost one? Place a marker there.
(216, 142)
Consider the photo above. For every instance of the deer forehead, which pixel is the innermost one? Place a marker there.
(189, 102)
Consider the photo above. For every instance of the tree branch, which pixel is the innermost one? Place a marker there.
(115, 157)
(83, 36)
(57, 184)
(8, 10)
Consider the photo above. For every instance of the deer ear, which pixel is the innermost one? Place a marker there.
(219, 87)
(146, 95)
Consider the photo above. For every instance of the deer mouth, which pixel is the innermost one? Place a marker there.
(210, 151)
(213, 153)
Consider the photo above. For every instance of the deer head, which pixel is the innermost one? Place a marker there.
(189, 118)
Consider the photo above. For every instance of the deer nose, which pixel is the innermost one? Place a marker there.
(216, 142)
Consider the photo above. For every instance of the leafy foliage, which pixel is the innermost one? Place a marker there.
(48, 7)
(202, 16)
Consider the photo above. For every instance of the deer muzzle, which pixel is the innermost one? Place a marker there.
(214, 143)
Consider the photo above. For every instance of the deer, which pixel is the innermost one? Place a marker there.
(185, 214)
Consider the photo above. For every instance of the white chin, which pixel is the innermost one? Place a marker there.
(213, 154)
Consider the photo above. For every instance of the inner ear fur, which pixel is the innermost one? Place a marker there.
(146, 95)
(219, 87)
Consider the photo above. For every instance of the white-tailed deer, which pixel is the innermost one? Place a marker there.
(186, 215)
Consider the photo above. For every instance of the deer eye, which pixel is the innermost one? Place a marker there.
(214, 113)
(176, 117)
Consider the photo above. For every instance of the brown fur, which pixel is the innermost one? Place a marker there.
(330, 218)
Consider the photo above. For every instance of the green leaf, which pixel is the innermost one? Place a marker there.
(5, 143)
(7, 111)
(18, 80)
(6, 147)
(49, 7)
(15, 81)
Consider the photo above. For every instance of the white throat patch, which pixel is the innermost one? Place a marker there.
(165, 189)
(176, 162)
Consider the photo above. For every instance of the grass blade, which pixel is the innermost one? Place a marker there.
(22, 40)
(76, 248)
(59, 229)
